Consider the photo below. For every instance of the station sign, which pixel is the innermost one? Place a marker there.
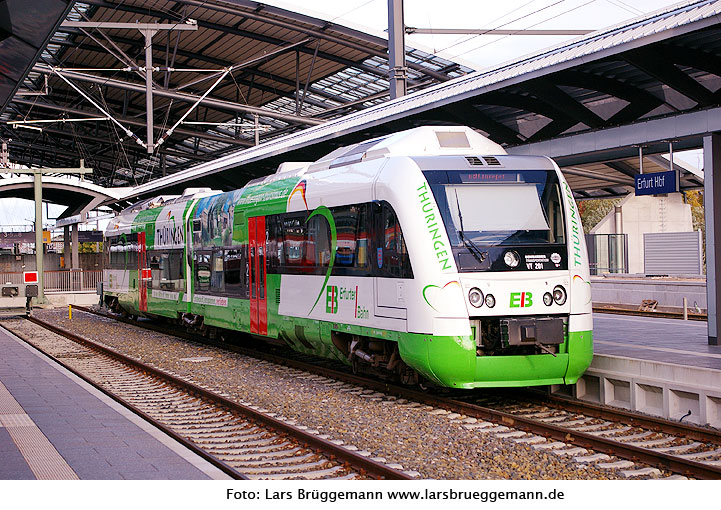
(656, 183)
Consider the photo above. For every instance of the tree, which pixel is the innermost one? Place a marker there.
(594, 210)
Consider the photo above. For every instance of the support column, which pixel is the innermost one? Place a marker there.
(712, 212)
(66, 247)
(396, 49)
(76, 248)
(39, 251)
(149, 88)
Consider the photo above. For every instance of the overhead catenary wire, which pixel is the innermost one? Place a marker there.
(531, 26)
(96, 105)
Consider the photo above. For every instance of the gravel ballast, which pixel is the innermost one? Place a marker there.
(434, 444)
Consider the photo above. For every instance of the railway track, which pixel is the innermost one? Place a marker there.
(245, 442)
(606, 437)
(693, 316)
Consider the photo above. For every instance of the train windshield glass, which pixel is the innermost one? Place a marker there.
(499, 208)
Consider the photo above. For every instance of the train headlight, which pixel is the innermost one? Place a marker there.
(548, 299)
(559, 294)
(511, 258)
(490, 301)
(475, 296)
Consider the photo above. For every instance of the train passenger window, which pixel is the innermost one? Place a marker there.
(202, 271)
(352, 240)
(293, 244)
(217, 280)
(392, 254)
(236, 282)
(274, 233)
(317, 244)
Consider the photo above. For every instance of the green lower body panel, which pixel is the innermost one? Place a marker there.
(580, 354)
(449, 361)
(452, 362)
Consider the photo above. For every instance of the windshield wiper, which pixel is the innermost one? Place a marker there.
(475, 251)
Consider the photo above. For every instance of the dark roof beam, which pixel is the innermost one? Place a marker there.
(552, 129)
(467, 114)
(272, 40)
(640, 101)
(548, 92)
(134, 122)
(190, 98)
(622, 167)
(657, 66)
(320, 34)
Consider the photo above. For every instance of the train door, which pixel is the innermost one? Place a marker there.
(391, 263)
(256, 271)
(144, 274)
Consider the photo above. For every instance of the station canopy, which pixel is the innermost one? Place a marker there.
(283, 72)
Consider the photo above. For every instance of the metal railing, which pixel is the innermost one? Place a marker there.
(74, 280)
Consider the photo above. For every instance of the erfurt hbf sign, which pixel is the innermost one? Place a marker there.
(656, 184)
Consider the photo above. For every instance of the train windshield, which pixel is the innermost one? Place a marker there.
(487, 210)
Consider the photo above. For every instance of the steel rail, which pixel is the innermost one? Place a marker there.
(661, 315)
(324, 447)
(687, 430)
(599, 444)
(142, 414)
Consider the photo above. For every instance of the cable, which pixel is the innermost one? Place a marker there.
(509, 22)
(352, 10)
(468, 38)
(530, 26)
(625, 6)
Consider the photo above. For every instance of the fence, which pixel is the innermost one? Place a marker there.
(62, 281)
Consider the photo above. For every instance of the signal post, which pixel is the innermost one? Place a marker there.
(38, 189)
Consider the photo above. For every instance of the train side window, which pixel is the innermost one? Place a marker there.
(317, 243)
(294, 244)
(275, 257)
(390, 244)
(202, 271)
(217, 279)
(236, 282)
(352, 250)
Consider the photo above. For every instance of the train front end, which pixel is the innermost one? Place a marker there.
(500, 271)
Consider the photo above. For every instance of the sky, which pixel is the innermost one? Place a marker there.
(477, 52)
(484, 50)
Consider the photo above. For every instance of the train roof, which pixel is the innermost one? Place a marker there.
(420, 141)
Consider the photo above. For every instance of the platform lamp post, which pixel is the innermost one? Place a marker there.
(38, 188)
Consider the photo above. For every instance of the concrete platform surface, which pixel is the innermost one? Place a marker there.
(662, 367)
(655, 339)
(55, 426)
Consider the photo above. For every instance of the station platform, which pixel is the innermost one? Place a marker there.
(662, 367)
(55, 426)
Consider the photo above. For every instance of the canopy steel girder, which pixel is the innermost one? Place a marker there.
(318, 33)
(103, 142)
(182, 96)
(254, 70)
(491, 31)
(135, 122)
(666, 72)
(278, 42)
(620, 142)
(148, 30)
(640, 101)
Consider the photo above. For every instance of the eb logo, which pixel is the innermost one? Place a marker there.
(521, 299)
(331, 299)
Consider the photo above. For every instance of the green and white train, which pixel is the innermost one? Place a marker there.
(426, 255)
